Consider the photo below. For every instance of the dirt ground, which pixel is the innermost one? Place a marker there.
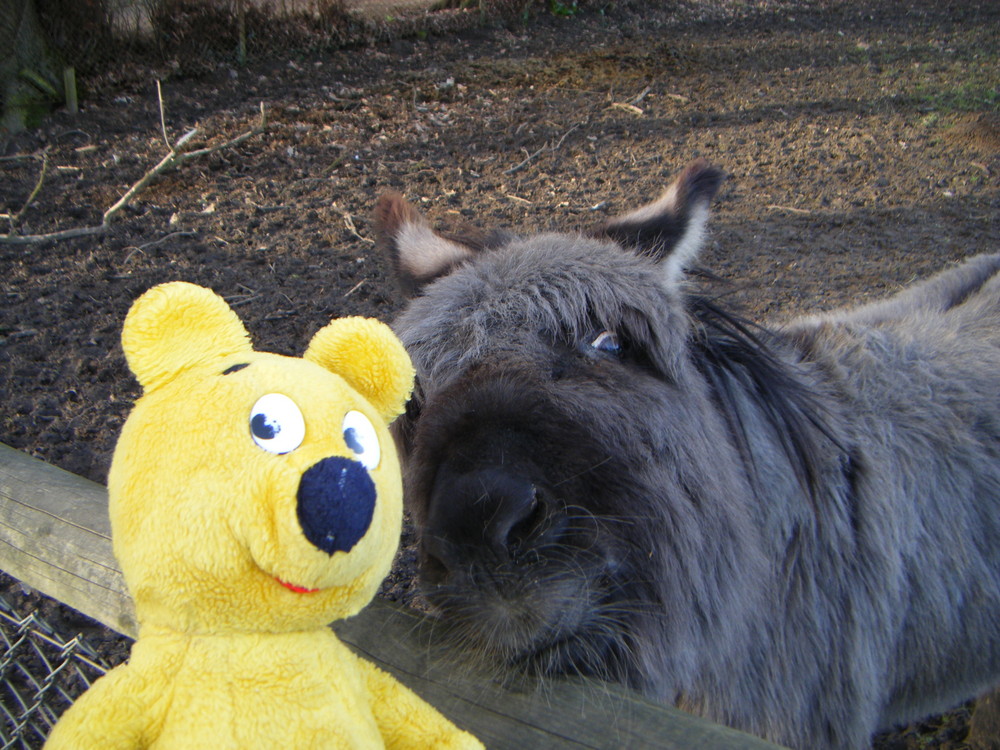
(861, 142)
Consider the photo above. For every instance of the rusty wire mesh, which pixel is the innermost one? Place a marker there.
(42, 672)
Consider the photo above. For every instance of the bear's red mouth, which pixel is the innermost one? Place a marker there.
(296, 589)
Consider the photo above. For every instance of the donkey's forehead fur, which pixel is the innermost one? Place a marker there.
(558, 285)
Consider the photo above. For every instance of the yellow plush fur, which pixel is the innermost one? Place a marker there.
(254, 498)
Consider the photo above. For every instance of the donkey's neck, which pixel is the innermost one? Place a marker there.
(772, 401)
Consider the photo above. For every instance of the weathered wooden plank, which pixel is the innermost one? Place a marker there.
(564, 713)
(55, 537)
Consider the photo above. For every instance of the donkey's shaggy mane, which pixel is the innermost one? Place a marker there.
(738, 359)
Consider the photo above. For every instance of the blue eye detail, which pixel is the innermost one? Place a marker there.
(606, 341)
(263, 427)
(351, 438)
(361, 439)
(277, 424)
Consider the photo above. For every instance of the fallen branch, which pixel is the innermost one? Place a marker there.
(65, 234)
(791, 209)
(177, 156)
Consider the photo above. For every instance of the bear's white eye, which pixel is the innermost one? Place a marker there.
(277, 424)
(361, 438)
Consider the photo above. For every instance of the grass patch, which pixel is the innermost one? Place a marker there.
(971, 96)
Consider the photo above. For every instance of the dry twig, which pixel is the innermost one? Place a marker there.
(145, 246)
(15, 218)
(543, 149)
(163, 119)
(349, 223)
(790, 209)
(356, 287)
(177, 156)
(628, 108)
(632, 105)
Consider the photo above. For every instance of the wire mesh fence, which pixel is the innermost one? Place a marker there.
(42, 671)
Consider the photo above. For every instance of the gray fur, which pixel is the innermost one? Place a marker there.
(793, 531)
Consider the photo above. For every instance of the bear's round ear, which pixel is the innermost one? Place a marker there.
(176, 326)
(367, 354)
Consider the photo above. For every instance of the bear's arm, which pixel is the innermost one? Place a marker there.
(408, 721)
(111, 715)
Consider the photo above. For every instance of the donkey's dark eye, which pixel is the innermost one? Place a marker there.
(607, 342)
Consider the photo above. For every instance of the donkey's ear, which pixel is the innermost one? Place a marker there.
(419, 254)
(671, 228)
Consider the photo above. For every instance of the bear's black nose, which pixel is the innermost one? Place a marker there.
(336, 502)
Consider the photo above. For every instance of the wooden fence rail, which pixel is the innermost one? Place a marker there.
(55, 537)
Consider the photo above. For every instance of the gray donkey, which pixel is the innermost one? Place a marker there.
(794, 530)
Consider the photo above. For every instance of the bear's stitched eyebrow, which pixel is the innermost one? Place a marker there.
(235, 368)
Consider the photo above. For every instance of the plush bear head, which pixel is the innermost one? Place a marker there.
(254, 492)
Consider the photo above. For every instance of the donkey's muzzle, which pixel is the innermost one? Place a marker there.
(485, 512)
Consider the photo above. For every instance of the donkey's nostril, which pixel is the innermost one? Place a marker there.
(514, 517)
(523, 531)
(433, 570)
(490, 509)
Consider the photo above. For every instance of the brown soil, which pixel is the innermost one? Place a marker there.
(861, 140)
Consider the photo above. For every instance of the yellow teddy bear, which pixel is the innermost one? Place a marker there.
(254, 498)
